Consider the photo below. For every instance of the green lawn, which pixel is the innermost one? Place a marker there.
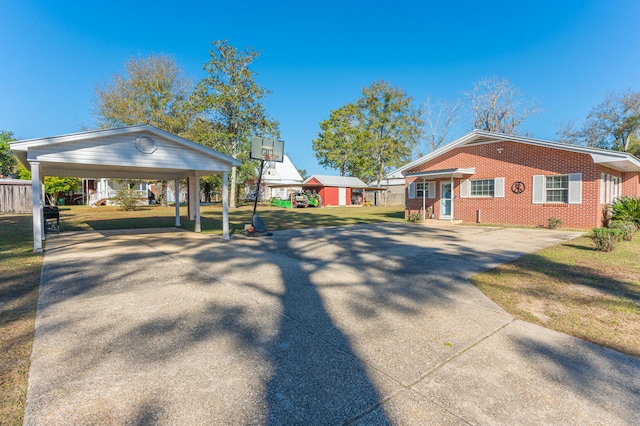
(75, 218)
(19, 279)
(574, 289)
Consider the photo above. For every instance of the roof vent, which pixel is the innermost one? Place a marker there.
(146, 144)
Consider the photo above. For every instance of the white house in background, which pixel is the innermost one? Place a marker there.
(279, 179)
(103, 191)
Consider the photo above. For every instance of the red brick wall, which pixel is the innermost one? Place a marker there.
(520, 162)
(631, 184)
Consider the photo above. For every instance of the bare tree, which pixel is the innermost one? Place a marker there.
(498, 106)
(613, 124)
(567, 133)
(438, 117)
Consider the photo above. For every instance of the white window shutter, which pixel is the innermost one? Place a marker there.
(498, 187)
(575, 188)
(412, 190)
(464, 188)
(432, 189)
(602, 177)
(538, 189)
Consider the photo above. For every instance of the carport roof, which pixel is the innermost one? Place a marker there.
(133, 152)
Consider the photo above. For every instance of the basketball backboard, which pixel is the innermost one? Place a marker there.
(267, 149)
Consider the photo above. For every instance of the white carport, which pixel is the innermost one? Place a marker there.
(134, 152)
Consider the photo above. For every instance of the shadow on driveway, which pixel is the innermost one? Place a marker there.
(353, 325)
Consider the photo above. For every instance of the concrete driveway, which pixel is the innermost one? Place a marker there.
(373, 324)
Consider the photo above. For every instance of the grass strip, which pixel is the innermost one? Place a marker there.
(576, 290)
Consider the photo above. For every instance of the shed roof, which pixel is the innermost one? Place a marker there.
(133, 152)
(339, 181)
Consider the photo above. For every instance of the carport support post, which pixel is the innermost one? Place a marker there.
(424, 201)
(196, 199)
(225, 205)
(452, 216)
(176, 190)
(36, 202)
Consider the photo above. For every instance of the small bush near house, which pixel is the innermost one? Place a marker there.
(627, 229)
(626, 209)
(415, 217)
(554, 223)
(126, 199)
(605, 239)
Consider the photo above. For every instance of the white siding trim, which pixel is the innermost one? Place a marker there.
(575, 188)
(465, 187)
(498, 187)
(432, 189)
(538, 192)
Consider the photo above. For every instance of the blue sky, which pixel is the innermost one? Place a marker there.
(317, 56)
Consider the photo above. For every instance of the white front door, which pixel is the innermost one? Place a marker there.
(445, 200)
(342, 196)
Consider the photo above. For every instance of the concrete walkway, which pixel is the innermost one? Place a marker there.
(363, 325)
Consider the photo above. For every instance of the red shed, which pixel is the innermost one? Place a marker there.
(336, 190)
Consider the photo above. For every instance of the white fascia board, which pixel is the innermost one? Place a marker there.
(461, 141)
(456, 173)
(24, 145)
(615, 159)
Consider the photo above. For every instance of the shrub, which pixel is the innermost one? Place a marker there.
(554, 223)
(126, 199)
(415, 217)
(627, 229)
(626, 209)
(605, 239)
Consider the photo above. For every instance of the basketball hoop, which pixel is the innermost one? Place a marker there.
(266, 149)
(270, 156)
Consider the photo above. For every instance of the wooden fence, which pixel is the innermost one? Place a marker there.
(15, 196)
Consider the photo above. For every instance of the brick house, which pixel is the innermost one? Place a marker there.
(487, 177)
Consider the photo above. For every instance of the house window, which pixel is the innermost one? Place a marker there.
(420, 188)
(483, 188)
(557, 189)
(609, 188)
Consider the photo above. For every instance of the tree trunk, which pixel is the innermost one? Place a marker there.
(163, 191)
(232, 186)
